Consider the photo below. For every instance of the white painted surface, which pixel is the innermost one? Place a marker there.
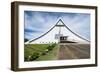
(50, 37)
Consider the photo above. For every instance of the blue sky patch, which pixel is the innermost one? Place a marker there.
(38, 22)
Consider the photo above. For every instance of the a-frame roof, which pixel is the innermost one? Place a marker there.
(59, 23)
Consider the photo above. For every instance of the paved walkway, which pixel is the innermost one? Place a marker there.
(73, 51)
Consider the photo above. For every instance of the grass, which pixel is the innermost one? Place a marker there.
(52, 55)
(40, 52)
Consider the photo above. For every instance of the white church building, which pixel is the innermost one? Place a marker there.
(59, 33)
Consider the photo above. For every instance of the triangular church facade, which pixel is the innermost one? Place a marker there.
(59, 33)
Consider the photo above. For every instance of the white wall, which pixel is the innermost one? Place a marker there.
(5, 26)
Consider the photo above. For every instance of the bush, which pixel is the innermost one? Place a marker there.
(34, 56)
(51, 47)
(26, 58)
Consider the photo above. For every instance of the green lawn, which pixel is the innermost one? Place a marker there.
(40, 52)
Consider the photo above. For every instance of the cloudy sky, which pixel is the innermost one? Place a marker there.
(37, 23)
